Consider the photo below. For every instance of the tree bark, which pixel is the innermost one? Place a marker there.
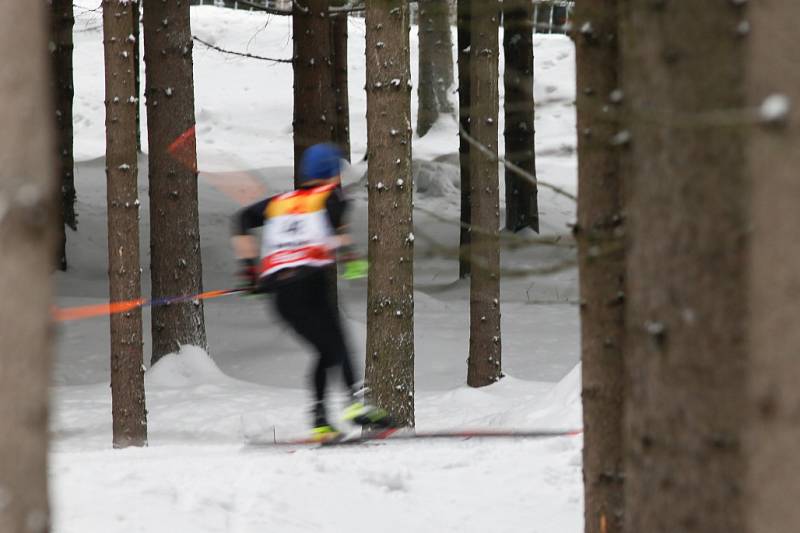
(314, 102)
(390, 289)
(522, 209)
(28, 217)
(127, 375)
(464, 24)
(484, 364)
(686, 311)
(176, 267)
(774, 277)
(62, 21)
(435, 63)
(602, 265)
(340, 85)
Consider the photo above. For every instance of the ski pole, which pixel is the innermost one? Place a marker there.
(112, 308)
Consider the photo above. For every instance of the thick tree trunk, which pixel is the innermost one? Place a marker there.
(464, 24)
(28, 216)
(602, 269)
(127, 374)
(176, 267)
(435, 63)
(390, 290)
(314, 102)
(340, 85)
(686, 308)
(484, 339)
(61, 23)
(774, 374)
(522, 209)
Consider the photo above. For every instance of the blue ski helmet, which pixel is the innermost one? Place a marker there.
(319, 162)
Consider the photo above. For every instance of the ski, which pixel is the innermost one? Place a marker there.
(404, 434)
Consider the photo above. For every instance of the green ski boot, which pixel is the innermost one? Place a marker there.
(323, 431)
(364, 414)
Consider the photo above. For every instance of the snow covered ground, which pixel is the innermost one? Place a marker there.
(196, 475)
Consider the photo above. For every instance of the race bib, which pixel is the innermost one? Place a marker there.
(297, 231)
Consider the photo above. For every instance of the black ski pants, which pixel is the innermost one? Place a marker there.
(306, 304)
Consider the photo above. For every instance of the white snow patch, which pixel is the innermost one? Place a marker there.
(775, 108)
(189, 367)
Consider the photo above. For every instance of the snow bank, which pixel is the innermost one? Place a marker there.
(189, 367)
(431, 179)
(561, 408)
(436, 180)
(510, 403)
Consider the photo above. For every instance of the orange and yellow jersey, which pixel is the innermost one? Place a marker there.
(297, 231)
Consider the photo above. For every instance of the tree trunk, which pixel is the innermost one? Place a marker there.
(314, 102)
(774, 431)
(686, 309)
(28, 216)
(602, 270)
(340, 85)
(464, 24)
(484, 338)
(522, 209)
(176, 267)
(127, 374)
(315, 117)
(62, 21)
(390, 289)
(435, 63)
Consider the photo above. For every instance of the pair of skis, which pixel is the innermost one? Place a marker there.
(406, 434)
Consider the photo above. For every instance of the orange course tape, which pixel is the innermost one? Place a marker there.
(91, 311)
(113, 308)
(242, 187)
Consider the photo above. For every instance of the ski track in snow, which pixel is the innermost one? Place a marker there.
(197, 475)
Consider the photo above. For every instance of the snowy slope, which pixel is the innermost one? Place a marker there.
(195, 475)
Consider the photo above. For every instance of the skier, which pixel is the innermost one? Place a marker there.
(302, 232)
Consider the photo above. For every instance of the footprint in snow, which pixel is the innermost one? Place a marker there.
(391, 481)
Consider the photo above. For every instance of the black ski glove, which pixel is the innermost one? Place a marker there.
(247, 275)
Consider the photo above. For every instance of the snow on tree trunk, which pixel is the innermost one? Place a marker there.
(522, 210)
(686, 299)
(28, 217)
(127, 373)
(774, 371)
(435, 63)
(137, 16)
(340, 85)
(176, 267)
(61, 23)
(314, 101)
(464, 25)
(390, 289)
(484, 366)
(602, 269)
